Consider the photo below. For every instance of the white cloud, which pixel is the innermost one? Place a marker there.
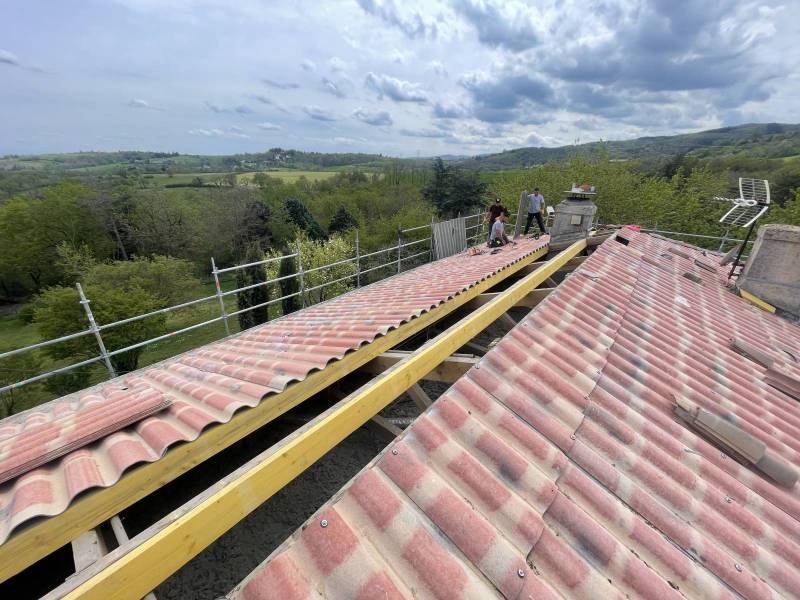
(471, 75)
(396, 89)
(379, 118)
(337, 65)
(8, 58)
(318, 114)
(230, 132)
(267, 126)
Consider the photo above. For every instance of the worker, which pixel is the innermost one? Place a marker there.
(535, 207)
(494, 211)
(497, 236)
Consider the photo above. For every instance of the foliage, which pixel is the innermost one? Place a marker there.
(31, 230)
(342, 221)
(315, 254)
(169, 280)
(254, 296)
(74, 263)
(17, 368)
(682, 203)
(303, 219)
(289, 286)
(452, 190)
(58, 312)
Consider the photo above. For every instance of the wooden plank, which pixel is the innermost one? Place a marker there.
(448, 372)
(529, 301)
(420, 398)
(87, 549)
(148, 559)
(507, 320)
(756, 301)
(388, 430)
(476, 347)
(571, 265)
(38, 539)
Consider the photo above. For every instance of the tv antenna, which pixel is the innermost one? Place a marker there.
(747, 209)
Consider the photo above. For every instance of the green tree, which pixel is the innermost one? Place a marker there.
(58, 312)
(256, 295)
(14, 369)
(32, 228)
(452, 190)
(289, 286)
(169, 280)
(318, 253)
(342, 221)
(303, 219)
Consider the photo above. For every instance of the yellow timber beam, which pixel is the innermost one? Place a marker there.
(38, 539)
(752, 299)
(148, 559)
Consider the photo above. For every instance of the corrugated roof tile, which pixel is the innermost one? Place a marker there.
(558, 459)
(210, 384)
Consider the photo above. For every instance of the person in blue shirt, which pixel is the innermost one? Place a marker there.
(535, 208)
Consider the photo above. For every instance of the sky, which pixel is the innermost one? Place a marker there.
(397, 77)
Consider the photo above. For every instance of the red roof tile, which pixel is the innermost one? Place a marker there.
(556, 467)
(209, 384)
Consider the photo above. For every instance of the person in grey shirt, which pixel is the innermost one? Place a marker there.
(535, 207)
(498, 236)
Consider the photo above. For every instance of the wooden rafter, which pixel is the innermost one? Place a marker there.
(40, 538)
(148, 559)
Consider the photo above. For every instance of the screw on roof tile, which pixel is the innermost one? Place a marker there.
(728, 499)
(738, 567)
(323, 523)
(572, 437)
(521, 573)
(394, 451)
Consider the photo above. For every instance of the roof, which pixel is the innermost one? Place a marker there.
(209, 384)
(556, 467)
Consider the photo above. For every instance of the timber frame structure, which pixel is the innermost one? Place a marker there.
(140, 564)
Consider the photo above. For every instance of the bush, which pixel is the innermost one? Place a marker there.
(170, 280)
(58, 312)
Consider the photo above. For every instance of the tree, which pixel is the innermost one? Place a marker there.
(253, 296)
(289, 286)
(32, 228)
(58, 312)
(452, 190)
(170, 280)
(318, 253)
(342, 221)
(303, 219)
(14, 369)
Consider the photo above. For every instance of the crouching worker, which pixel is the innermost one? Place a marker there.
(498, 235)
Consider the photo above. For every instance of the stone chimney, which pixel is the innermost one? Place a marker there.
(772, 271)
(573, 217)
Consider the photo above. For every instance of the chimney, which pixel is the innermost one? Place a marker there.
(772, 272)
(573, 217)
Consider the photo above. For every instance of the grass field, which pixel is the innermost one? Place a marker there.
(290, 176)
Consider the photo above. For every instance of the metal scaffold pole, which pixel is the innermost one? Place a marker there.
(96, 330)
(219, 297)
(399, 249)
(358, 262)
(301, 275)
